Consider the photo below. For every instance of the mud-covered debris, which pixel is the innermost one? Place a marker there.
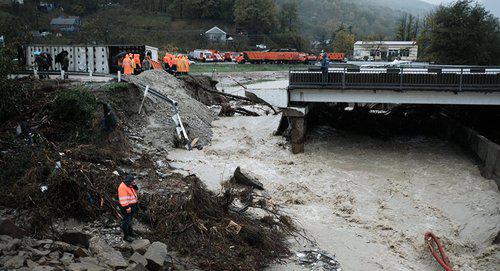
(245, 177)
(318, 260)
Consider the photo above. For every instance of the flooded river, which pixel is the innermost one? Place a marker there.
(367, 201)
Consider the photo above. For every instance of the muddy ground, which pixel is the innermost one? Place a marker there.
(367, 200)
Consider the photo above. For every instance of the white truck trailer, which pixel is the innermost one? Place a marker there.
(84, 58)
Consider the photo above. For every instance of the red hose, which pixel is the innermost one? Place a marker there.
(432, 239)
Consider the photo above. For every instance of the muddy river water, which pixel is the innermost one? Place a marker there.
(368, 201)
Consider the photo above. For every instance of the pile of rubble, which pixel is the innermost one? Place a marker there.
(26, 253)
(196, 116)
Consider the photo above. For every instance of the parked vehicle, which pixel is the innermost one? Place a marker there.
(275, 57)
(334, 57)
(203, 55)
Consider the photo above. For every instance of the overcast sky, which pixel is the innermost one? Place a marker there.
(492, 5)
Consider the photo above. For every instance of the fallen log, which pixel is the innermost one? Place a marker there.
(246, 112)
(246, 178)
(236, 97)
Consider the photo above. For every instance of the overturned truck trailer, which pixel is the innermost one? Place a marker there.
(84, 58)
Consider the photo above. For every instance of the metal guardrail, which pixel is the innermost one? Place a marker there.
(456, 79)
(59, 73)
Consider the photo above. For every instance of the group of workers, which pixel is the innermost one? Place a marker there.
(43, 61)
(176, 64)
(131, 64)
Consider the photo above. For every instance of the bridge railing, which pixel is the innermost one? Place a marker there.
(400, 79)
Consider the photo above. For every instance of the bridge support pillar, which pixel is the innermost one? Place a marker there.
(298, 125)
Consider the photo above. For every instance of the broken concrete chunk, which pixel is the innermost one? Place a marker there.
(67, 258)
(31, 264)
(64, 247)
(29, 242)
(156, 255)
(140, 245)
(107, 254)
(54, 255)
(76, 238)
(245, 177)
(81, 252)
(138, 258)
(16, 261)
(10, 245)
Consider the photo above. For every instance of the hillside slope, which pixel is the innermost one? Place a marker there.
(320, 18)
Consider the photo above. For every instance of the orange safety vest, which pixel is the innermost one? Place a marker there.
(137, 60)
(126, 195)
(181, 67)
(187, 65)
(127, 66)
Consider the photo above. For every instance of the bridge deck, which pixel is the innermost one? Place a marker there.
(474, 79)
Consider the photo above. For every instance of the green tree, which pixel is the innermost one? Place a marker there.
(344, 42)
(256, 16)
(289, 17)
(407, 28)
(463, 33)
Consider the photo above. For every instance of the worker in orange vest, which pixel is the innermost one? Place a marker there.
(187, 64)
(137, 61)
(181, 65)
(127, 65)
(127, 196)
(165, 62)
(131, 56)
(174, 64)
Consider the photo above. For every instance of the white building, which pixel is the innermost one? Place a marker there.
(386, 50)
(216, 35)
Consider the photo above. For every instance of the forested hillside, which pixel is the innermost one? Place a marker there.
(181, 23)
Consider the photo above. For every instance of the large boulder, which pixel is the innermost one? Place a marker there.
(156, 255)
(140, 245)
(107, 254)
(8, 243)
(138, 258)
(76, 238)
(16, 261)
(8, 227)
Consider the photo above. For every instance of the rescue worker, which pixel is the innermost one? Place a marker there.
(187, 65)
(39, 63)
(109, 119)
(181, 65)
(137, 61)
(146, 63)
(127, 195)
(174, 65)
(170, 63)
(134, 66)
(166, 67)
(127, 65)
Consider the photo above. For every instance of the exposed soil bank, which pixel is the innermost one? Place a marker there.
(369, 201)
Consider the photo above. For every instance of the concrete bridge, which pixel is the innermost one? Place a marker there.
(433, 85)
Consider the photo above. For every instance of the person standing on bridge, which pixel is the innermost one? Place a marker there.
(324, 62)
